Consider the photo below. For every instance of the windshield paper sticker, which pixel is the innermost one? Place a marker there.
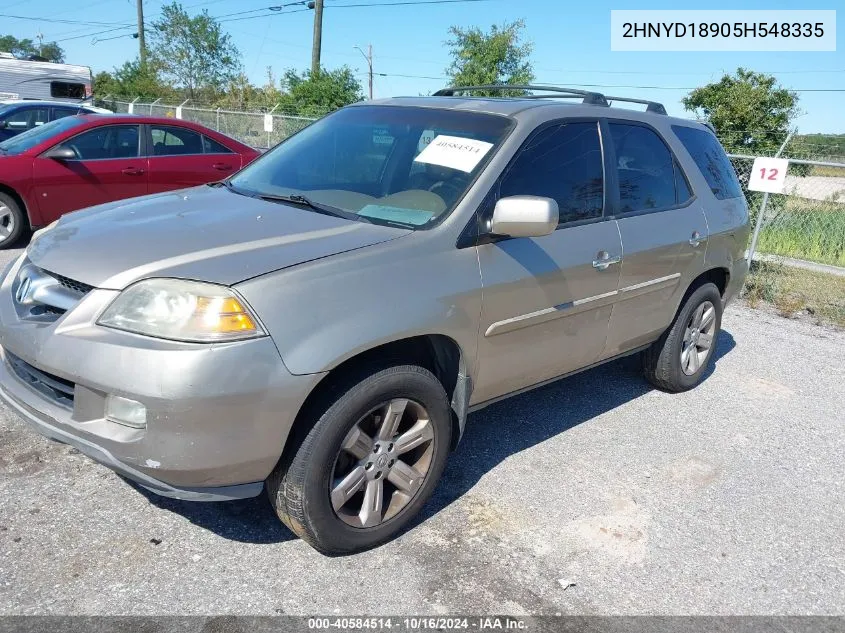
(454, 152)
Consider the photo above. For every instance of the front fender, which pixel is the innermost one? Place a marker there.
(325, 312)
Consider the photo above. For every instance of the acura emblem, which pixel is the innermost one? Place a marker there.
(23, 290)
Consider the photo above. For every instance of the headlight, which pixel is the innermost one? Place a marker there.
(182, 311)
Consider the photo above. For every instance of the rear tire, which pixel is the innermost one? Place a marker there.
(13, 221)
(383, 437)
(678, 360)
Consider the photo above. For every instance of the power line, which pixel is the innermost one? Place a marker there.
(59, 21)
(402, 3)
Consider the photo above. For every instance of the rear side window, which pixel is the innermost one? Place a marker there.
(645, 168)
(711, 160)
(213, 147)
(60, 113)
(66, 90)
(563, 162)
(175, 141)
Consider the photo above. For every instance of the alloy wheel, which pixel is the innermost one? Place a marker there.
(7, 222)
(382, 463)
(698, 338)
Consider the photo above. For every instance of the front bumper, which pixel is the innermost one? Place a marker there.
(218, 415)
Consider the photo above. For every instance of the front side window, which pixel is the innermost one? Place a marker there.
(371, 161)
(645, 168)
(563, 162)
(711, 160)
(175, 141)
(26, 119)
(108, 142)
(67, 90)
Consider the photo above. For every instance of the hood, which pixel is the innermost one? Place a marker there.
(205, 233)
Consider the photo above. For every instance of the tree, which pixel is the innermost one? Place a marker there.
(497, 57)
(193, 52)
(132, 80)
(26, 47)
(750, 111)
(309, 94)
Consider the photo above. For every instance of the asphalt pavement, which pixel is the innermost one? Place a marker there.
(594, 495)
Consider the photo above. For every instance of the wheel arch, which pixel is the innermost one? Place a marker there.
(438, 353)
(12, 192)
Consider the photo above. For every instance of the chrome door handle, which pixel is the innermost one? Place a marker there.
(605, 260)
(696, 239)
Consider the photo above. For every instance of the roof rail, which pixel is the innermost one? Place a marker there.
(652, 106)
(592, 98)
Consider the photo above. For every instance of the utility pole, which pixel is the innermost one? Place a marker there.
(369, 57)
(142, 43)
(318, 38)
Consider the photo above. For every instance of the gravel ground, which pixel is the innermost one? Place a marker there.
(595, 495)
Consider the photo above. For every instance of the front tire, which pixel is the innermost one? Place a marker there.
(369, 462)
(12, 221)
(678, 360)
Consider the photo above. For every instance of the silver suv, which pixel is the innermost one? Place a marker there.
(320, 324)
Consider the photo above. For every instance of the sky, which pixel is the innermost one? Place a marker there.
(571, 45)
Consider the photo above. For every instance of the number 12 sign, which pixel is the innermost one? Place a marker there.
(768, 174)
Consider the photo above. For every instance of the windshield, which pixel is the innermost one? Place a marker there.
(37, 135)
(388, 164)
(5, 107)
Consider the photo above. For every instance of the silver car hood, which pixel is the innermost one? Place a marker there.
(204, 233)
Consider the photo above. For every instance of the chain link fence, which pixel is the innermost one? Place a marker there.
(247, 127)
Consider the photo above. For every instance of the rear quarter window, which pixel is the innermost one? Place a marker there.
(711, 160)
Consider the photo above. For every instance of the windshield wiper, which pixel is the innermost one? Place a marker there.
(314, 206)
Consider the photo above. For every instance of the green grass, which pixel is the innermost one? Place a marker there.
(793, 290)
(805, 229)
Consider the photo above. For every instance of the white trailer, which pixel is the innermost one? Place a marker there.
(26, 79)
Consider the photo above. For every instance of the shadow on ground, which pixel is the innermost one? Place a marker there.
(491, 435)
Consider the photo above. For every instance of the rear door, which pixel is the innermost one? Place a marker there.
(180, 157)
(547, 301)
(664, 234)
(108, 167)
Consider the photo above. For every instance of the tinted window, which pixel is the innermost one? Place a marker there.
(60, 113)
(114, 141)
(213, 147)
(711, 160)
(175, 141)
(26, 119)
(66, 90)
(645, 168)
(563, 162)
(684, 193)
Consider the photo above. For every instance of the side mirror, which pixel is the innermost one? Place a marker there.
(525, 216)
(3, 125)
(60, 153)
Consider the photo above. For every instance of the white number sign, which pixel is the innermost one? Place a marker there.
(455, 152)
(768, 174)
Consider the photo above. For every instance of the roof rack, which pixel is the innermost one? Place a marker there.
(588, 97)
(651, 106)
(592, 98)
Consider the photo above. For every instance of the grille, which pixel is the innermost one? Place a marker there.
(53, 387)
(67, 282)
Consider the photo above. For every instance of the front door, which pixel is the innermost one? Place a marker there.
(664, 235)
(108, 167)
(547, 301)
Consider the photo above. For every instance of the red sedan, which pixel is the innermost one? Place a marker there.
(81, 161)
